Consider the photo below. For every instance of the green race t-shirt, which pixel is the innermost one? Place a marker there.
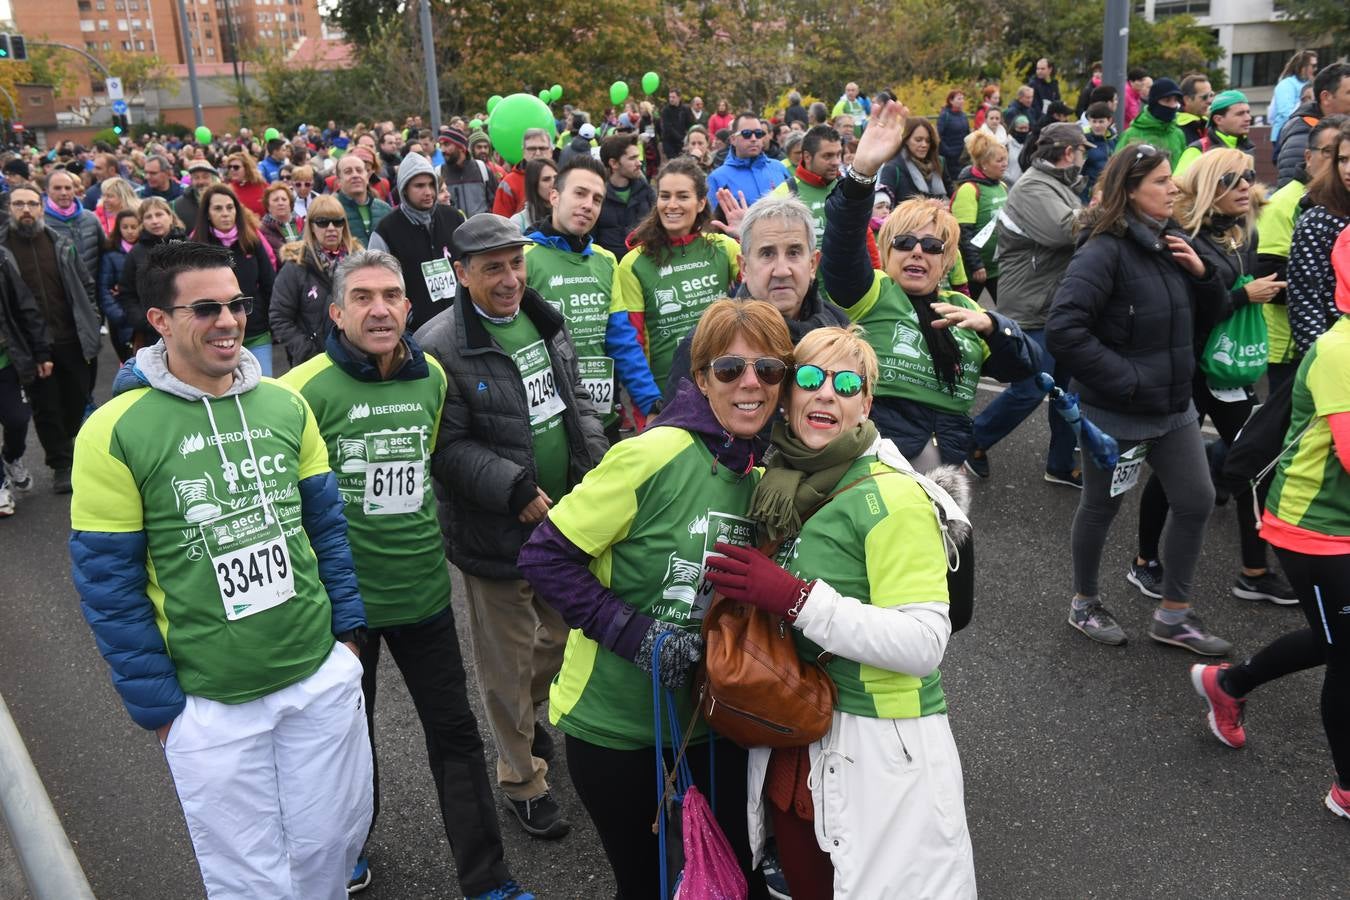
(581, 287)
(379, 436)
(673, 294)
(522, 342)
(1311, 488)
(234, 584)
(878, 542)
(978, 205)
(892, 328)
(649, 515)
(4, 358)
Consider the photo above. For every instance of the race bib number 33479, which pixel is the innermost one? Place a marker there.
(251, 562)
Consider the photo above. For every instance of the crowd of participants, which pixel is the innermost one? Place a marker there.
(596, 379)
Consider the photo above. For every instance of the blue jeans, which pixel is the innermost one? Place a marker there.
(1011, 407)
(263, 354)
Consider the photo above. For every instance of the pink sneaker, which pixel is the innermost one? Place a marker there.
(1338, 801)
(1225, 711)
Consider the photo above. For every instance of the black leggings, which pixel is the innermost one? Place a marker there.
(618, 789)
(14, 415)
(1323, 587)
(1228, 419)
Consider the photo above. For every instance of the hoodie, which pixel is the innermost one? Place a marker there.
(754, 177)
(168, 473)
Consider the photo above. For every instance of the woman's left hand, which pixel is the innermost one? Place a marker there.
(743, 573)
(977, 320)
(1185, 255)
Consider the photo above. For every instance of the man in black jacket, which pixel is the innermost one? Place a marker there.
(25, 356)
(419, 234)
(676, 120)
(517, 431)
(628, 196)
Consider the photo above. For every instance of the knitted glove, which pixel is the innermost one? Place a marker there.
(743, 573)
(678, 654)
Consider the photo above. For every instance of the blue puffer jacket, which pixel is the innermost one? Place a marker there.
(108, 569)
(753, 177)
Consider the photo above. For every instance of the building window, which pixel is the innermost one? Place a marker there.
(90, 45)
(100, 6)
(126, 45)
(1257, 69)
(210, 51)
(121, 24)
(210, 35)
(140, 45)
(86, 6)
(1164, 8)
(86, 24)
(102, 24)
(107, 45)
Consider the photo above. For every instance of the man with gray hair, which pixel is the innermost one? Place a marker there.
(68, 218)
(377, 401)
(778, 265)
(161, 179)
(795, 112)
(510, 199)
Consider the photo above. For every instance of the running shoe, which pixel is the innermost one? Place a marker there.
(1148, 578)
(1338, 801)
(1225, 710)
(541, 817)
(1072, 478)
(1189, 634)
(360, 879)
(6, 500)
(1270, 585)
(509, 891)
(1096, 622)
(978, 465)
(61, 481)
(19, 477)
(774, 877)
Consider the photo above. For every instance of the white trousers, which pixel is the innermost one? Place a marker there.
(277, 791)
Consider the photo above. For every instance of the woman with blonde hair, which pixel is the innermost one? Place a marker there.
(116, 196)
(1218, 207)
(280, 225)
(247, 183)
(300, 295)
(980, 194)
(933, 345)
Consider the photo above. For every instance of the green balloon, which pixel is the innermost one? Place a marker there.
(272, 133)
(546, 95)
(492, 102)
(556, 91)
(618, 92)
(651, 82)
(476, 125)
(511, 118)
(203, 135)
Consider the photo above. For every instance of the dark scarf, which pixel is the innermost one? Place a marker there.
(797, 480)
(941, 345)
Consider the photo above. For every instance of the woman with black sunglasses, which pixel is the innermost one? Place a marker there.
(861, 573)
(1124, 321)
(299, 314)
(933, 345)
(621, 559)
(1216, 209)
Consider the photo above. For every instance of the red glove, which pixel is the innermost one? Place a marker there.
(743, 573)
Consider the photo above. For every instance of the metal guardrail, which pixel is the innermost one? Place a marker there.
(40, 843)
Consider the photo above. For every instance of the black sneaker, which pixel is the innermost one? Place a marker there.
(1189, 634)
(1096, 622)
(542, 745)
(1270, 585)
(1072, 478)
(61, 481)
(541, 817)
(1148, 578)
(978, 465)
(774, 878)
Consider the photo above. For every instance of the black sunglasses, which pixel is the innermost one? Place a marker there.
(1228, 180)
(812, 378)
(749, 133)
(729, 369)
(210, 309)
(324, 222)
(907, 242)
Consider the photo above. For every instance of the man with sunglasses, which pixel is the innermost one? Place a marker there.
(1230, 118)
(1275, 231)
(209, 549)
(510, 197)
(1196, 93)
(748, 171)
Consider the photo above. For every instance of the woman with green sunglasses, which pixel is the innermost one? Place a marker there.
(861, 573)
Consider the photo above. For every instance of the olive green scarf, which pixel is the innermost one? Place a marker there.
(798, 479)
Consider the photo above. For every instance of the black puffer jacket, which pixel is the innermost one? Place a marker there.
(1124, 321)
(23, 331)
(484, 449)
(129, 294)
(299, 311)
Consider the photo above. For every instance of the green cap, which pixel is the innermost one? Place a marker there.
(1226, 99)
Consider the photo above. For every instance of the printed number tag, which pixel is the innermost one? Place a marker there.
(439, 276)
(723, 528)
(1128, 467)
(985, 233)
(597, 377)
(395, 472)
(1228, 395)
(541, 393)
(251, 561)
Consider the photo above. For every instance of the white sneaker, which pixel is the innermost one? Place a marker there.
(19, 478)
(6, 500)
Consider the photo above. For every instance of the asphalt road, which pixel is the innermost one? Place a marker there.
(1089, 770)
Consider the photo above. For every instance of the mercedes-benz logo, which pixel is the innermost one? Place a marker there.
(194, 552)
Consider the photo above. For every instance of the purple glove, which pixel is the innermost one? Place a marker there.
(743, 573)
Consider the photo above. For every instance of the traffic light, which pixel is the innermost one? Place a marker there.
(120, 125)
(6, 47)
(13, 46)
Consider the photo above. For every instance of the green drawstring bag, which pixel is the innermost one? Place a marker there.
(1238, 349)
